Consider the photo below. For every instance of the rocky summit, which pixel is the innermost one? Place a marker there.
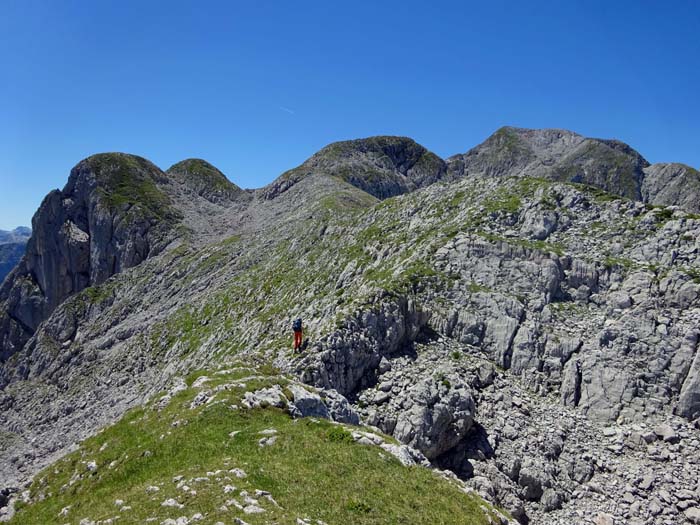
(509, 335)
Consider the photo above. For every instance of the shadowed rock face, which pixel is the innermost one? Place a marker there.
(111, 215)
(556, 155)
(381, 166)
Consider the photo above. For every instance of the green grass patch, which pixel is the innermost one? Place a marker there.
(313, 470)
(339, 435)
(128, 180)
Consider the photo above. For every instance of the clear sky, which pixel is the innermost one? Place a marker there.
(256, 87)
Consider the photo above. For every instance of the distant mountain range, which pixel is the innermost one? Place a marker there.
(12, 245)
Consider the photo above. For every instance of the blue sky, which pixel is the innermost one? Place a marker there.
(256, 87)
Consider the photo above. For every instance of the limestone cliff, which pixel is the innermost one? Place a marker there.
(112, 214)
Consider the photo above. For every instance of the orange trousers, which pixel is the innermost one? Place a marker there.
(297, 340)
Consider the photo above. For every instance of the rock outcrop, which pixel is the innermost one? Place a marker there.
(111, 215)
(672, 184)
(562, 155)
(558, 155)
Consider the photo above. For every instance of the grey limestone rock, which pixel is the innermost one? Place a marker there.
(339, 408)
(672, 184)
(556, 154)
(306, 403)
(205, 180)
(440, 415)
(689, 400)
(266, 397)
(498, 322)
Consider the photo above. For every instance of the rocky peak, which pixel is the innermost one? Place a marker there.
(556, 155)
(205, 180)
(510, 151)
(22, 231)
(112, 214)
(383, 166)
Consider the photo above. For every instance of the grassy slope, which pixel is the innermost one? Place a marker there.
(313, 470)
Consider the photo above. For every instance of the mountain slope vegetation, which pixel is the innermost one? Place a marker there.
(472, 309)
(210, 462)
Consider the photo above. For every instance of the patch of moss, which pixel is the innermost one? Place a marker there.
(599, 195)
(694, 273)
(338, 434)
(476, 288)
(97, 294)
(130, 181)
(619, 262)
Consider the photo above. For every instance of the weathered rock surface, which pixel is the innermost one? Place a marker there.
(557, 155)
(566, 156)
(538, 339)
(672, 184)
(205, 180)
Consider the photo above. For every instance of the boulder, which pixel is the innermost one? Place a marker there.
(440, 413)
(306, 403)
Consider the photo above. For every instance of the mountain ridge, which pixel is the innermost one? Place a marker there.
(470, 317)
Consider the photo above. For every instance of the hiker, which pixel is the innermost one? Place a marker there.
(298, 334)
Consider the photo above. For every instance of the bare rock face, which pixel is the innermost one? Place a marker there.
(353, 354)
(689, 399)
(562, 155)
(440, 414)
(668, 184)
(381, 166)
(110, 216)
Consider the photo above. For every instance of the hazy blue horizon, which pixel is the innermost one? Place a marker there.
(257, 88)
